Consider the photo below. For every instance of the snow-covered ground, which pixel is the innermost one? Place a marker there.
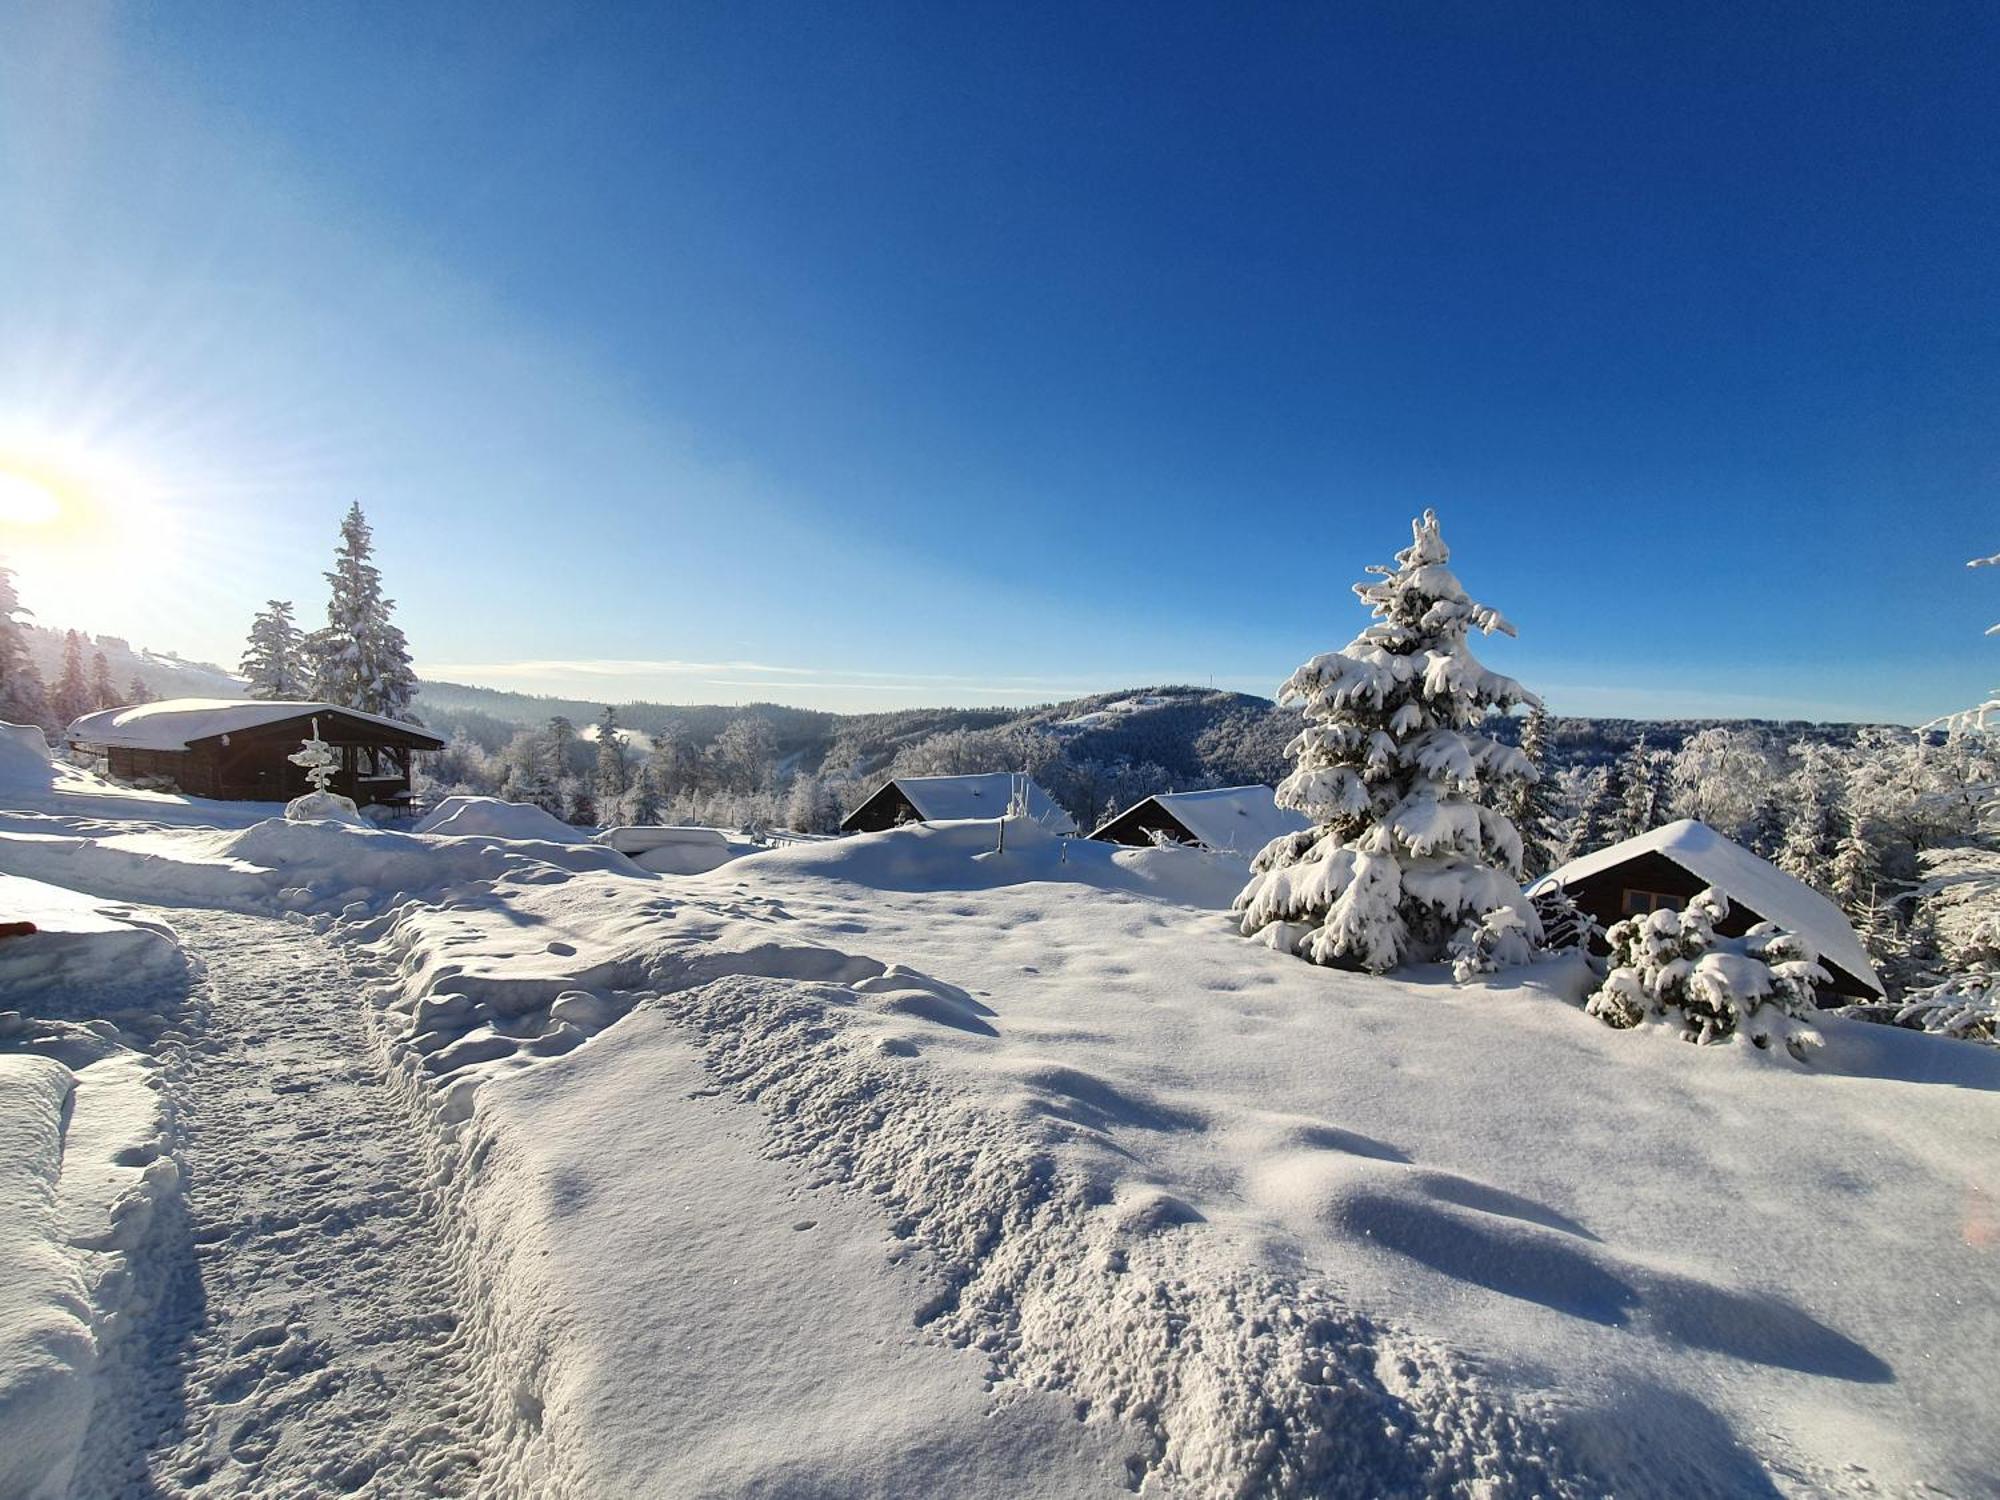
(898, 1164)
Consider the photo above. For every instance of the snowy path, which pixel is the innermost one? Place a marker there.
(305, 1342)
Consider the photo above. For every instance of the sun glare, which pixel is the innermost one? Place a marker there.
(27, 501)
(89, 536)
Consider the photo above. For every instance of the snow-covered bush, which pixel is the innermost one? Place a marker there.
(1406, 848)
(1673, 967)
(1496, 941)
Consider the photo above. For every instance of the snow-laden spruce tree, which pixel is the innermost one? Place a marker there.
(360, 659)
(1405, 848)
(273, 659)
(1530, 802)
(1672, 967)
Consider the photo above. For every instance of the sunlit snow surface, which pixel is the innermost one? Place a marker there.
(899, 1163)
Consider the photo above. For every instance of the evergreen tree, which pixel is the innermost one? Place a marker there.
(642, 804)
(533, 784)
(274, 661)
(1595, 814)
(1405, 848)
(24, 698)
(1641, 797)
(72, 697)
(579, 807)
(1812, 816)
(1853, 874)
(138, 690)
(360, 660)
(103, 694)
(558, 748)
(613, 775)
(1530, 801)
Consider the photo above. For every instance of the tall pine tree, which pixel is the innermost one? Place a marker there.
(360, 660)
(613, 774)
(24, 698)
(72, 698)
(1643, 794)
(1405, 848)
(103, 693)
(1530, 802)
(274, 660)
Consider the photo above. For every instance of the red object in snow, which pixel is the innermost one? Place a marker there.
(16, 929)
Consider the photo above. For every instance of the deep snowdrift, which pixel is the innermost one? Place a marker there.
(920, 1130)
(1213, 1193)
(84, 1164)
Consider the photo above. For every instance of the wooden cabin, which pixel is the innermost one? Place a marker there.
(1228, 819)
(1670, 866)
(236, 749)
(945, 799)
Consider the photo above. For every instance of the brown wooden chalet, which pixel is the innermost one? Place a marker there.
(1667, 867)
(237, 749)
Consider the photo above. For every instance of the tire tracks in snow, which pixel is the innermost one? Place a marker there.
(305, 1338)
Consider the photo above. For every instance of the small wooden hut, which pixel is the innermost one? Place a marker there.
(945, 799)
(237, 749)
(1669, 866)
(1228, 819)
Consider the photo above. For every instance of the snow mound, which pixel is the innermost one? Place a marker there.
(968, 856)
(323, 806)
(24, 758)
(46, 1347)
(84, 1169)
(495, 817)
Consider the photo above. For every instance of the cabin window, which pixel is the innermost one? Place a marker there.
(1639, 903)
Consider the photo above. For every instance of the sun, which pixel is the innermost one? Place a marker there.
(86, 532)
(26, 501)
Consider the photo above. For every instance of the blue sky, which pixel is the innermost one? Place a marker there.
(863, 356)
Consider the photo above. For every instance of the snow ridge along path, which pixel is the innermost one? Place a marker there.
(306, 1338)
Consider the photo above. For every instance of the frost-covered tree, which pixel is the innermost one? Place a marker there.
(1854, 872)
(360, 659)
(532, 783)
(103, 692)
(1723, 777)
(1642, 798)
(642, 802)
(1405, 846)
(1587, 811)
(614, 775)
(745, 753)
(1673, 967)
(1812, 814)
(675, 763)
(559, 747)
(138, 690)
(810, 806)
(71, 697)
(579, 805)
(1530, 802)
(274, 659)
(15, 661)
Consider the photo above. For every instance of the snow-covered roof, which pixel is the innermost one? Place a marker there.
(176, 723)
(947, 799)
(1238, 819)
(1742, 877)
